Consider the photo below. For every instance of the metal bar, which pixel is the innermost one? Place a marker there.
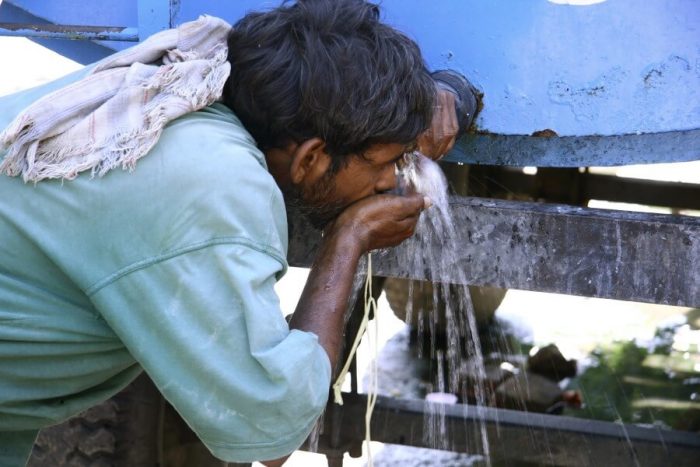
(549, 150)
(554, 188)
(81, 51)
(527, 437)
(62, 31)
(561, 249)
(647, 192)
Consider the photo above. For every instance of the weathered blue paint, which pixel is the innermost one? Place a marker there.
(153, 17)
(617, 81)
(612, 68)
(38, 31)
(81, 12)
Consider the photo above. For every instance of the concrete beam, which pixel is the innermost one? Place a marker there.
(620, 255)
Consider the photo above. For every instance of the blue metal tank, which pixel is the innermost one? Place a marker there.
(566, 83)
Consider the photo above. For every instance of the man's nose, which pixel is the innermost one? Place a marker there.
(386, 181)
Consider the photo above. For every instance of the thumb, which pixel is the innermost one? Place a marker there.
(417, 202)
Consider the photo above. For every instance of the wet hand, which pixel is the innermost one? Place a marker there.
(440, 137)
(380, 221)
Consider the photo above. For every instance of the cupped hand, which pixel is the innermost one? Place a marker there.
(380, 221)
(440, 137)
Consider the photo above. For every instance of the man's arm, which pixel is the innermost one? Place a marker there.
(377, 222)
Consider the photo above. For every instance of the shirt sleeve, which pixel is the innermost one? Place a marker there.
(205, 324)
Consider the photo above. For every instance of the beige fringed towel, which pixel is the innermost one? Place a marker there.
(115, 115)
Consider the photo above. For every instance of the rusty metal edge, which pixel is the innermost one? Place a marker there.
(577, 151)
(70, 32)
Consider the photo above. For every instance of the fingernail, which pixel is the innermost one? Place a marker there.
(427, 202)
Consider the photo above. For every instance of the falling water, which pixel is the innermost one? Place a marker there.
(430, 252)
(434, 424)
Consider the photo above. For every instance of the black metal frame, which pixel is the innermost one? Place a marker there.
(536, 439)
(555, 248)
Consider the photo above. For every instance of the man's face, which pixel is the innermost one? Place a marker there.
(361, 176)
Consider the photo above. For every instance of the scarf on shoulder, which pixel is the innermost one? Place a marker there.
(114, 115)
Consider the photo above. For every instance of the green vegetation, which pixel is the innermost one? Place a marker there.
(631, 384)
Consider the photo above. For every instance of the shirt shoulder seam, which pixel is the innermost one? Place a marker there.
(146, 262)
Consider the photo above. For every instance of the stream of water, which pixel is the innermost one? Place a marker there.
(428, 251)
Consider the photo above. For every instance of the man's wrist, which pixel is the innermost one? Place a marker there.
(349, 238)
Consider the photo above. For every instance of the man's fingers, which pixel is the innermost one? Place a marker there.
(451, 125)
(439, 138)
(450, 144)
(407, 227)
(415, 204)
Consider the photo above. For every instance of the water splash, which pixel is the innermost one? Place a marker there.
(427, 254)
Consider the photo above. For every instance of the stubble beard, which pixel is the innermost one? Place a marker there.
(313, 203)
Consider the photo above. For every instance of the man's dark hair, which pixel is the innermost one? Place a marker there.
(328, 69)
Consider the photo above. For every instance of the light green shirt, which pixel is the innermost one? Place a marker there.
(169, 268)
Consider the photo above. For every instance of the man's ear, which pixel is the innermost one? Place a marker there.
(309, 161)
